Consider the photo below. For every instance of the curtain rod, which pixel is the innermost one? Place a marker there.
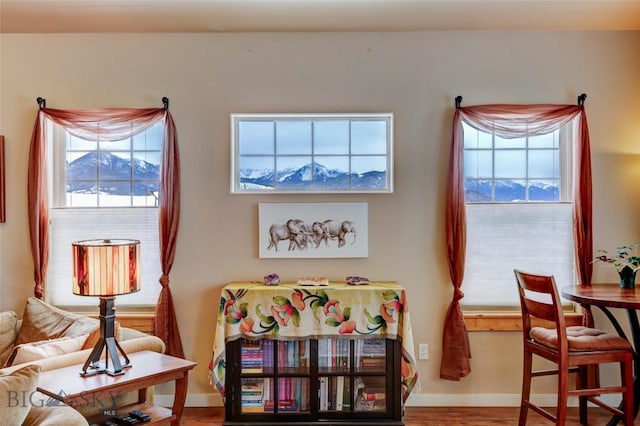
(42, 102)
(581, 100)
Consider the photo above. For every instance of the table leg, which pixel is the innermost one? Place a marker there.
(635, 336)
(180, 398)
(635, 331)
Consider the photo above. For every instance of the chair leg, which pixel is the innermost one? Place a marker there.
(582, 381)
(563, 394)
(627, 380)
(527, 365)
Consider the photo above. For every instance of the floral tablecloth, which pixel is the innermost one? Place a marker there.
(252, 310)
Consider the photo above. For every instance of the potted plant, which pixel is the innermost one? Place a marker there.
(626, 261)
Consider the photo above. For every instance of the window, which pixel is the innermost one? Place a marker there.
(311, 153)
(519, 213)
(104, 189)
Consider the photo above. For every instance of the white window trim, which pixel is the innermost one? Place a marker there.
(140, 302)
(235, 187)
(567, 144)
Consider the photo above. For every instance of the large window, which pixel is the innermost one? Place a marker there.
(519, 213)
(311, 153)
(102, 190)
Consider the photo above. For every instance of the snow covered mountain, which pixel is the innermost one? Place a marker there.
(115, 174)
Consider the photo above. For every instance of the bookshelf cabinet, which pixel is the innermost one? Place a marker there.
(301, 355)
(331, 381)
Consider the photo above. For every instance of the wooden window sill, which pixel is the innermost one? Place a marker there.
(509, 321)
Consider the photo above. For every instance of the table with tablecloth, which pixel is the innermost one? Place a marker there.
(287, 311)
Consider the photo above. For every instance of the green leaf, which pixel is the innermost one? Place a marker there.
(331, 322)
(346, 312)
(280, 300)
(295, 318)
(263, 317)
(389, 295)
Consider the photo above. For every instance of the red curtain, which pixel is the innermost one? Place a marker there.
(110, 124)
(507, 121)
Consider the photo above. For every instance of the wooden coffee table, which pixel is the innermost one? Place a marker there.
(147, 369)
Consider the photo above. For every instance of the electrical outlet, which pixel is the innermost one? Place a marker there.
(423, 351)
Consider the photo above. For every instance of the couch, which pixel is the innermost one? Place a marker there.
(47, 338)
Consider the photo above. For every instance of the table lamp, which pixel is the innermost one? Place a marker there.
(106, 268)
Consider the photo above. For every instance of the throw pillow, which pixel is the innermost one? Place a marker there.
(42, 321)
(15, 390)
(35, 351)
(8, 334)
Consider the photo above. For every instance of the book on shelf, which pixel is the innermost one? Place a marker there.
(373, 395)
(339, 393)
(252, 408)
(283, 405)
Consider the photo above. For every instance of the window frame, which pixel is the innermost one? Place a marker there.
(57, 142)
(236, 118)
(501, 315)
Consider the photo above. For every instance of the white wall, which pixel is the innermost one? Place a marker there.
(416, 75)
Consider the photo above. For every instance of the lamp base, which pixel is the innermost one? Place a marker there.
(108, 344)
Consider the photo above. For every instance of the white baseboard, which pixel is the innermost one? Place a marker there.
(415, 400)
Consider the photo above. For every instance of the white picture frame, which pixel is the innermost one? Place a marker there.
(313, 230)
(300, 153)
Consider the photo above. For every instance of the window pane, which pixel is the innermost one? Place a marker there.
(121, 145)
(293, 137)
(256, 137)
(331, 137)
(114, 194)
(368, 137)
(544, 190)
(510, 143)
(478, 164)
(293, 172)
(77, 144)
(511, 163)
(151, 139)
(81, 171)
(114, 165)
(331, 172)
(478, 191)
(550, 140)
(544, 163)
(495, 235)
(475, 139)
(257, 172)
(368, 164)
(509, 190)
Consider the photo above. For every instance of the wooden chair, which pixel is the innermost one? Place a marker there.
(572, 349)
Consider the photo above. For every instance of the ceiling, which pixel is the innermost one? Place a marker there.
(140, 16)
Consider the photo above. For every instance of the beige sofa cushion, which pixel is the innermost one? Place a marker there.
(15, 389)
(42, 321)
(28, 352)
(8, 334)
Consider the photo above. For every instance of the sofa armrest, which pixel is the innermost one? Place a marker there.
(129, 346)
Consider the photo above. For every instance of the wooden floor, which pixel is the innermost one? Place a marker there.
(421, 416)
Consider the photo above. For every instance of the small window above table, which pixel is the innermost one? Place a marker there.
(312, 153)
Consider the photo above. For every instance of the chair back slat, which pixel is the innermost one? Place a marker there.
(539, 298)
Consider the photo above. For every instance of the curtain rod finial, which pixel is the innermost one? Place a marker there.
(458, 101)
(165, 102)
(42, 102)
(581, 99)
